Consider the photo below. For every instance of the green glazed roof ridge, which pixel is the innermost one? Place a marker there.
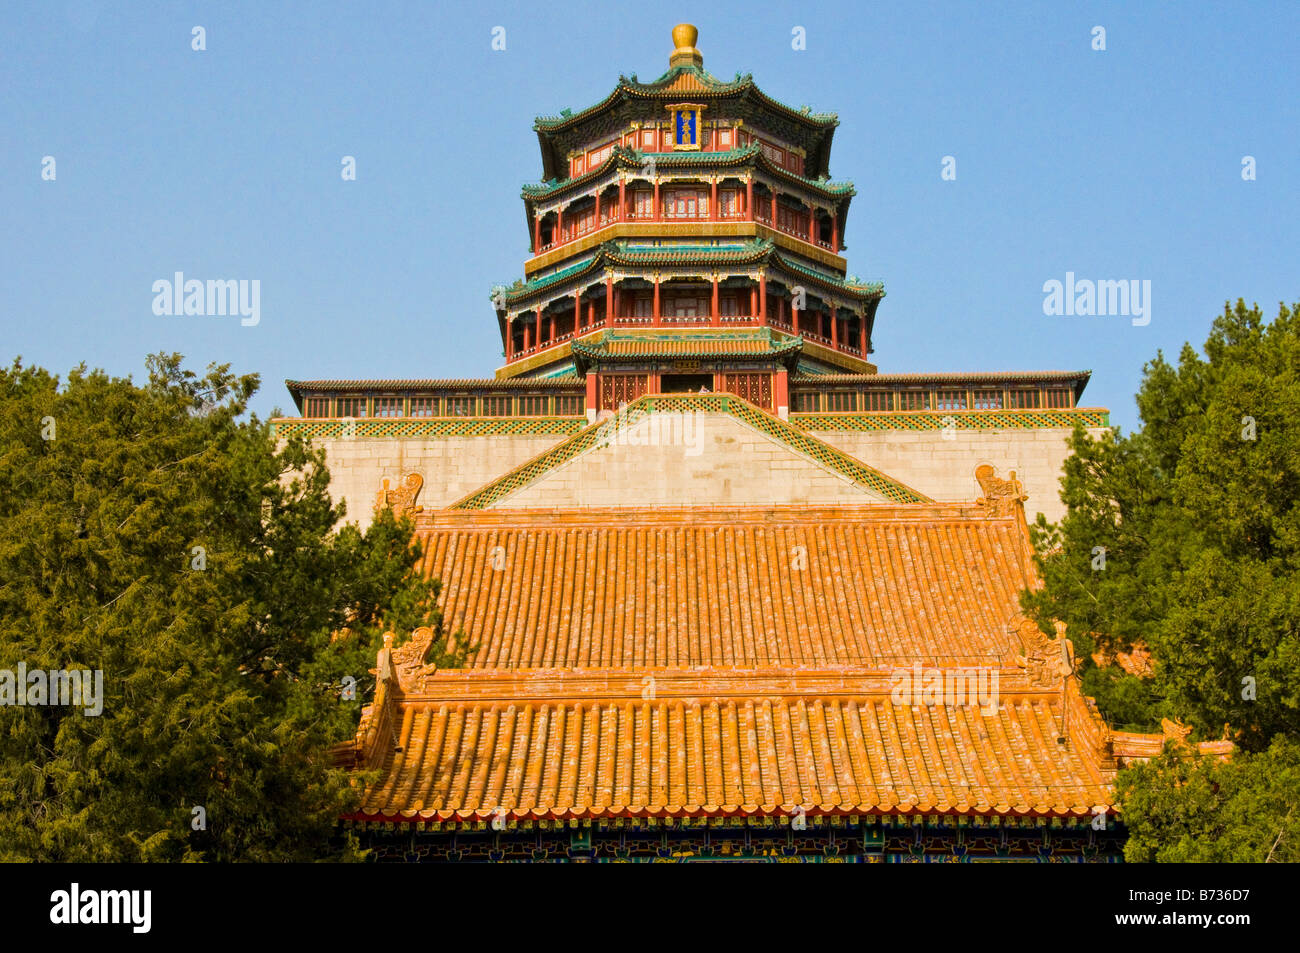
(390, 428)
(630, 84)
(625, 155)
(617, 251)
(818, 451)
(715, 87)
(866, 288)
(1018, 419)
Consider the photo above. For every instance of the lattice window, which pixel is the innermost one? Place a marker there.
(643, 203)
(316, 407)
(643, 307)
(616, 389)
(1023, 399)
(951, 400)
(755, 388)
(388, 407)
(351, 407)
(496, 406)
(460, 406)
(728, 305)
(1056, 397)
(424, 407)
(569, 405)
(791, 219)
(728, 203)
(842, 402)
(880, 400)
(913, 400)
(807, 403)
(988, 400)
(687, 307)
(686, 204)
(534, 405)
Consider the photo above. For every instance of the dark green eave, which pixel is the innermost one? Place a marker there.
(616, 253)
(631, 89)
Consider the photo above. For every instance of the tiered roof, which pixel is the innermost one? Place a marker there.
(614, 346)
(741, 96)
(631, 253)
(685, 662)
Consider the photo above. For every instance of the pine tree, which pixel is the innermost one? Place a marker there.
(1184, 538)
(163, 536)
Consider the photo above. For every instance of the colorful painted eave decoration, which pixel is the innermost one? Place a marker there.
(681, 344)
(397, 428)
(1090, 417)
(758, 251)
(706, 85)
(626, 158)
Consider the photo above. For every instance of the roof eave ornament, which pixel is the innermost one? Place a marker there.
(684, 52)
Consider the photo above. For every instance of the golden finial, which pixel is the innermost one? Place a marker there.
(685, 53)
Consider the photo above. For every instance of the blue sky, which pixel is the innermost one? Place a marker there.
(1122, 164)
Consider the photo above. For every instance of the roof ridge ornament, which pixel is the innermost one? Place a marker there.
(684, 52)
(1001, 498)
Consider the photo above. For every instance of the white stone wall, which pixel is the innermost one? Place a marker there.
(945, 469)
(452, 467)
(716, 460)
(732, 465)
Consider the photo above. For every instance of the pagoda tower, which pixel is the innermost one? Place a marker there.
(686, 238)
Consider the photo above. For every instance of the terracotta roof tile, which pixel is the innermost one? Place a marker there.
(672, 663)
(687, 757)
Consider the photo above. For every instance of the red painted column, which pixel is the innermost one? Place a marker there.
(864, 336)
(753, 306)
(538, 342)
(537, 234)
(609, 299)
(528, 338)
(591, 395)
(657, 319)
(559, 227)
(794, 316)
(714, 317)
(812, 225)
(577, 311)
(835, 234)
(713, 201)
(596, 224)
(510, 340)
(657, 214)
(835, 328)
(782, 394)
(762, 301)
(591, 313)
(749, 198)
(774, 210)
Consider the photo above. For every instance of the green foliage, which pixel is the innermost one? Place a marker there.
(1198, 518)
(1246, 810)
(1197, 513)
(223, 666)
